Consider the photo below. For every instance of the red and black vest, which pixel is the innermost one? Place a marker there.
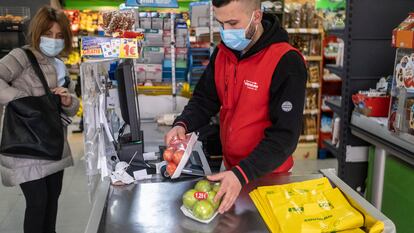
(243, 87)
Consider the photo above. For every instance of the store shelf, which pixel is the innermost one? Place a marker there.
(332, 80)
(326, 109)
(330, 147)
(336, 32)
(338, 70)
(331, 55)
(205, 50)
(313, 58)
(334, 105)
(313, 85)
(74, 70)
(308, 137)
(311, 111)
(274, 12)
(304, 30)
(370, 130)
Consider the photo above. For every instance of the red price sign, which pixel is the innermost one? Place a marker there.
(129, 48)
(201, 196)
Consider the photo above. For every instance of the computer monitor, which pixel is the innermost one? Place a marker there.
(133, 143)
(128, 98)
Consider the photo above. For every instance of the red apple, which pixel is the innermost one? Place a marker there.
(168, 154)
(177, 156)
(171, 167)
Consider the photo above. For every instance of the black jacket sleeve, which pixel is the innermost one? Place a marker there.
(204, 103)
(281, 138)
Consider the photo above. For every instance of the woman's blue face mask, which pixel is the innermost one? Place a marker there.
(51, 47)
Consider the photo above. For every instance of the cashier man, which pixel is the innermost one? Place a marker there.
(256, 81)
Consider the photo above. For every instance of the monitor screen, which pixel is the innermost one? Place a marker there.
(128, 98)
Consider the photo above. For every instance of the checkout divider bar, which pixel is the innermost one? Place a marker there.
(98, 206)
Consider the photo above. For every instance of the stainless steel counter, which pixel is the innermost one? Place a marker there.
(386, 144)
(155, 208)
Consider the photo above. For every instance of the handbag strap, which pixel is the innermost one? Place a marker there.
(38, 70)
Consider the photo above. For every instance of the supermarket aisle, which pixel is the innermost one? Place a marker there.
(74, 205)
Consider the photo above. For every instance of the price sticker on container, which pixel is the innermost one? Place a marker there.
(201, 195)
(129, 48)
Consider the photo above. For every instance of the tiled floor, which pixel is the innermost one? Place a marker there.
(74, 203)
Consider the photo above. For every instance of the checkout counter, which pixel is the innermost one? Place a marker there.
(390, 170)
(154, 205)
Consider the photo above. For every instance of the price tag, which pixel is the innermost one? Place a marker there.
(314, 31)
(309, 137)
(129, 48)
(201, 196)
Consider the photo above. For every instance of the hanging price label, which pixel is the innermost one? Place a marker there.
(129, 48)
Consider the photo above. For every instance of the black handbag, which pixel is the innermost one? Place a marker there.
(32, 127)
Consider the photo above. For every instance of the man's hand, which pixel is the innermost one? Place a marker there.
(229, 188)
(65, 97)
(176, 132)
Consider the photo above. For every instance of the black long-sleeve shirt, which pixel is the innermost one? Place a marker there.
(288, 84)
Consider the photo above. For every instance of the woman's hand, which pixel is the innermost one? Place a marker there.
(65, 97)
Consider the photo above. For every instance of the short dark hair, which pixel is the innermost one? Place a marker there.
(220, 3)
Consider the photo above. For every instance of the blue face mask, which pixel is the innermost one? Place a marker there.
(236, 38)
(51, 47)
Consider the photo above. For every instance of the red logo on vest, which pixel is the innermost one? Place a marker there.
(251, 85)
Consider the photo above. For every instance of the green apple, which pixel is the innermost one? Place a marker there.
(210, 198)
(189, 199)
(203, 210)
(216, 187)
(203, 186)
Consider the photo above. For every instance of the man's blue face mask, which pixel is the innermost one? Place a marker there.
(236, 38)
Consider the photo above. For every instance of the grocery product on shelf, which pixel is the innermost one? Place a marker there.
(12, 18)
(73, 58)
(13, 25)
(118, 21)
(303, 24)
(89, 21)
(74, 18)
(403, 35)
(401, 112)
(334, 20)
(371, 103)
(301, 16)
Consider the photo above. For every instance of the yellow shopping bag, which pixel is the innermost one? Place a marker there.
(264, 209)
(311, 207)
(356, 230)
(259, 197)
(334, 214)
(327, 211)
(288, 203)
